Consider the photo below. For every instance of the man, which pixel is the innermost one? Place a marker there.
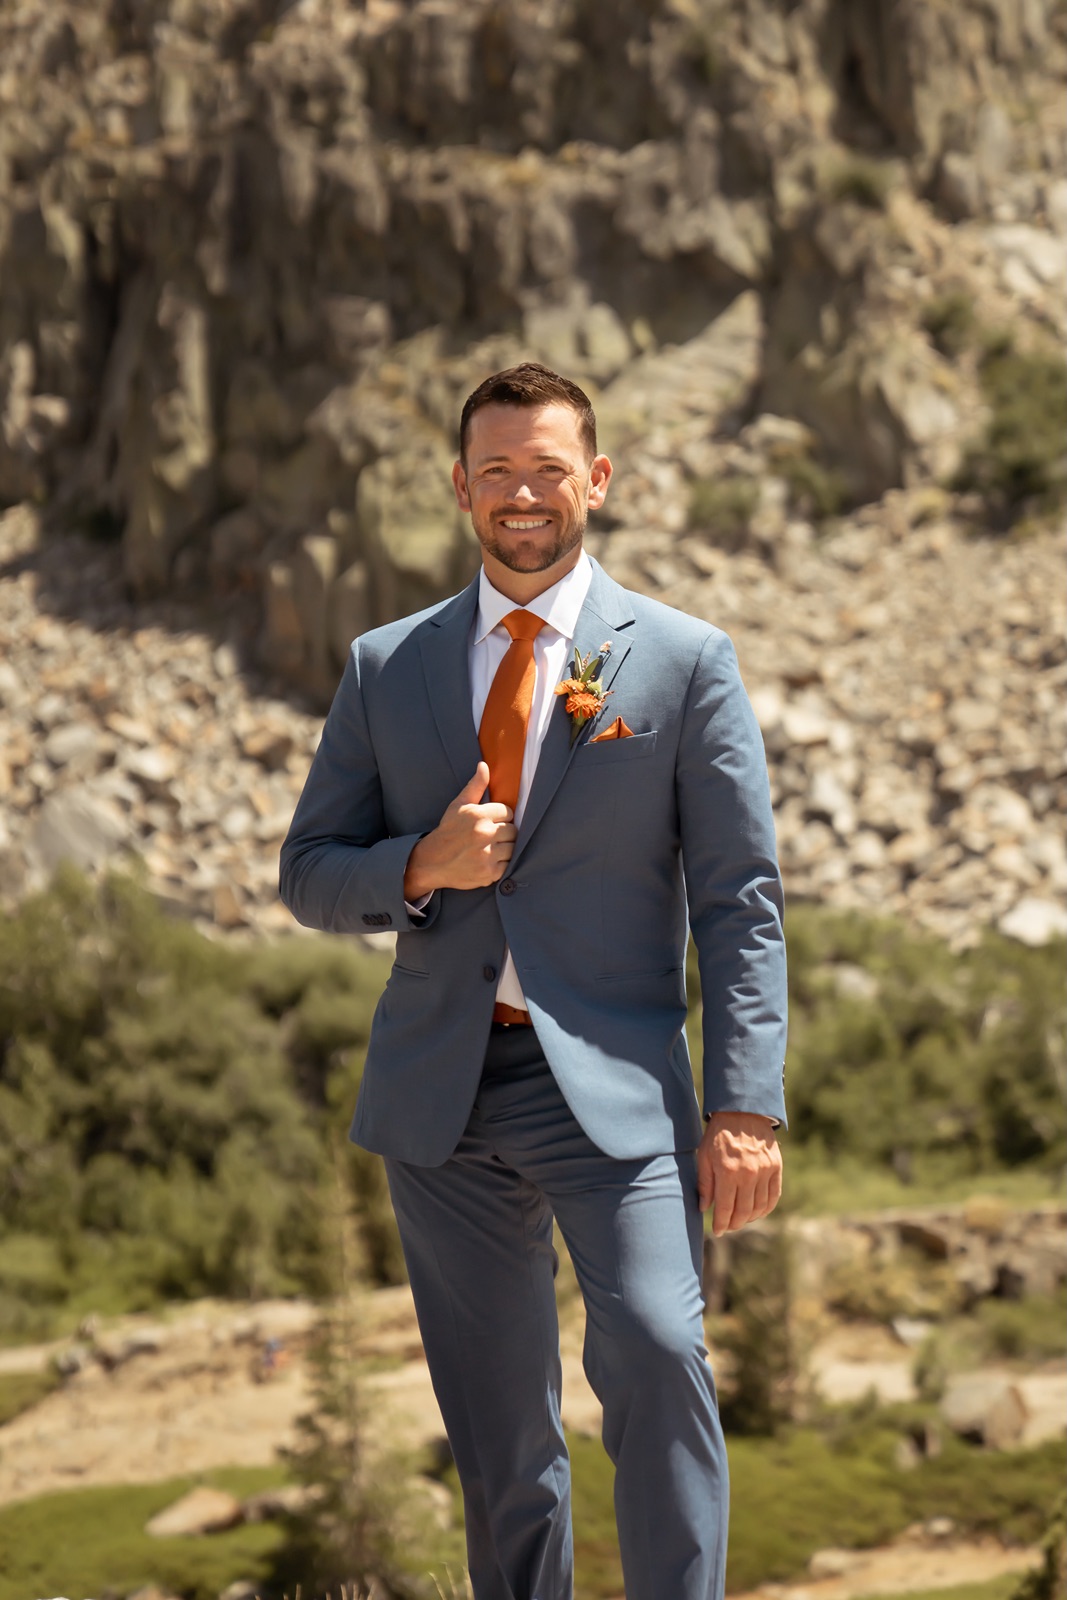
(528, 1058)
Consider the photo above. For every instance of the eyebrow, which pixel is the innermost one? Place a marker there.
(546, 455)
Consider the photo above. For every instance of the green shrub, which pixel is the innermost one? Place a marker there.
(950, 1068)
(1019, 464)
(952, 1059)
(862, 180)
(723, 507)
(1049, 1581)
(759, 1336)
(165, 1103)
(1034, 1329)
(815, 491)
(950, 321)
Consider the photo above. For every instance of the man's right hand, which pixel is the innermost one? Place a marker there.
(470, 847)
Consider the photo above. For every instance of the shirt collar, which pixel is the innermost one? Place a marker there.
(559, 606)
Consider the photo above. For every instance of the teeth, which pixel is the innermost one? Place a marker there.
(511, 522)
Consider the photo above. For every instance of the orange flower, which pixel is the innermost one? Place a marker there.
(583, 703)
(584, 690)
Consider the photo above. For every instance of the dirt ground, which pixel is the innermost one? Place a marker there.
(159, 1399)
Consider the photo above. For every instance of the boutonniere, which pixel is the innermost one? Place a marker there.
(585, 689)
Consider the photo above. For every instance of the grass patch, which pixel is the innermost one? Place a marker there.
(845, 1186)
(805, 1491)
(103, 1546)
(1002, 1588)
(808, 1489)
(21, 1390)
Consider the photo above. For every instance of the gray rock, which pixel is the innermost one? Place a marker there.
(1034, 921)
(990, 1410)
(77, 827)
(833, 1563)
(959, 188)
(10, 685)
(200, 1511)
(154, 769)
(1038, 253)
(348, 609)
(290, 1500)
(72, 744)
(911, 1331)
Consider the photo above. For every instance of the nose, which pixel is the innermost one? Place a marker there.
(522, 494)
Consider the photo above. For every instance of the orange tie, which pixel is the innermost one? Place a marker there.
(502, 734)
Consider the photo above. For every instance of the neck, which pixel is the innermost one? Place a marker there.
(522, 587)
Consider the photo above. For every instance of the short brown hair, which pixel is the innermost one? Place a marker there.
(530, 384)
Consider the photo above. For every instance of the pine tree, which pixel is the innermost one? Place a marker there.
(342, 1536)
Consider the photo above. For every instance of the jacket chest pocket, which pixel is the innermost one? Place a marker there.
(609, 751)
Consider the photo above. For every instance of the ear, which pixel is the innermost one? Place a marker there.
(599, 478)
(459, 484)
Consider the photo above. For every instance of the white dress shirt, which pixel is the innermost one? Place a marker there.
(553, 649)
(559, 607)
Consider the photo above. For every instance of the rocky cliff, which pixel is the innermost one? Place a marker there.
(807, 257)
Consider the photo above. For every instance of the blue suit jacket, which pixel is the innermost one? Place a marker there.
(619, 840)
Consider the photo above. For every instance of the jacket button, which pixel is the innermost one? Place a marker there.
(488, 973)
(507, 886)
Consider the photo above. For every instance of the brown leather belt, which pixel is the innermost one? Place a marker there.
(511, 1016)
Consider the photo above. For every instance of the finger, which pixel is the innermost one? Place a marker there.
(505, 831)
(743, 1210)
(725, 1196)
(474, 788)
(705, 1184)
(493, 811)
(758, 1198)
(762, 1201)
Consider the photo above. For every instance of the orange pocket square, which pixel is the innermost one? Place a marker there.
(618, 730)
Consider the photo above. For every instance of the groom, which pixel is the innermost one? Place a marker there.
(537, 785)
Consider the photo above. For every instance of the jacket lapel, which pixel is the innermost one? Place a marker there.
(606, 610)
(444, 647)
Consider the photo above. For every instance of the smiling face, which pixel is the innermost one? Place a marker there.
(529, 485)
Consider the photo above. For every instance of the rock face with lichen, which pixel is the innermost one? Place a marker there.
(253, 254)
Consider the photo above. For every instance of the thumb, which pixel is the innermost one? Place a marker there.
(473, 791)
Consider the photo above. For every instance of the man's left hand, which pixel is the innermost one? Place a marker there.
(739, 1169)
